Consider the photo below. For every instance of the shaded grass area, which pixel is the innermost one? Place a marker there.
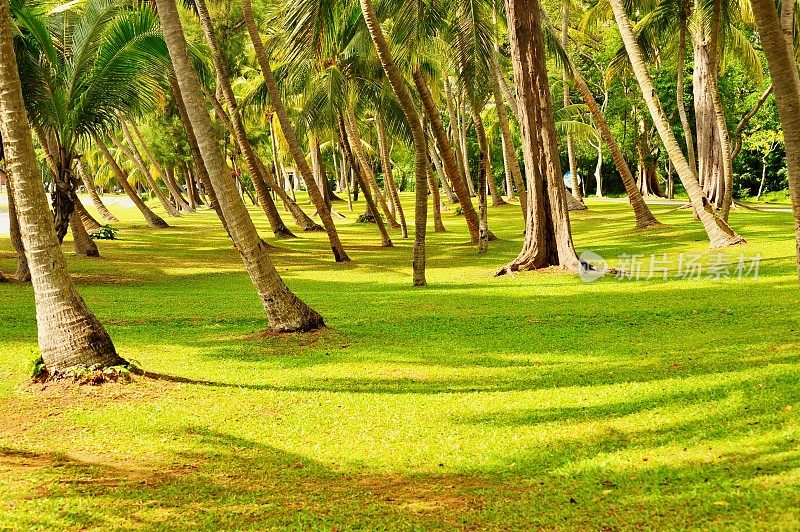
(535, 400)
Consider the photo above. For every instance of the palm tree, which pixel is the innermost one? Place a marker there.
(105, 60)
(548, 236)
(285, 311)
(776, 38)
(403, 95)
(719, 232)
(69, 334)
(289, 133)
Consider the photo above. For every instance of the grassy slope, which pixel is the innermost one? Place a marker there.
(528, 401)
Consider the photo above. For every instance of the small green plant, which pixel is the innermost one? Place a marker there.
(366, 219)
(38, 368)
(104, 233)
(458, 211)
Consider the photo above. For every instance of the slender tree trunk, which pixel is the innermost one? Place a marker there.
(372, 208)
(777, 43)
(437, 202)
(719, 232)
(88, 182)
(339, 254)
(23, 273)
(420, 146)
(548, 237)
(453, 172)
(573, 164)
(177, 197)
(366, 168)
(69, 334)
(87, 220)
(509, 152)
(285, 311)
(737, 148)
(388, 177)
(152, 219)
(84, 245)
(680, 91)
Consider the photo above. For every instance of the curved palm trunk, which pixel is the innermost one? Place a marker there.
(289, 133)
(86, 219)
(84, 245)
(644, 217)
(234, 123)
(152, 219)
(302, 219)
(719, 232)
(737, 148)
(285, 311)
(548, 236)
(23, 273)
(172, 187)
(132, 153)
(420, 145)
(372, 208)
(509, 153)
(366, 167)
(573, 164)
(88, 182)
(777, 43)
(452, 169)
(680, 92)
(386, 163)
(69, 334)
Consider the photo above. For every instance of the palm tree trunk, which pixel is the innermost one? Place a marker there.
(573, 164)
(548, 236)
(644, 217)
(285, 311)
(346, 146)
(777, 43)
(152, 219)
(719, 232)
(69, 334)
(418, 134)
(23, 273)
(88, 182)
(366, 168)
(437, 202)
(386, 163)
(177, 197)
(339, 254)
(86, 219)
(84, 245)
(680, 92)
(453, 170)
(510, 154)
(737, 135)
(719, 114)
(132, 152)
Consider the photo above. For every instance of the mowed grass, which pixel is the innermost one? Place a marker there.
(528, 401)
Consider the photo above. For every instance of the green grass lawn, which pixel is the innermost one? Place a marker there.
(530, 401)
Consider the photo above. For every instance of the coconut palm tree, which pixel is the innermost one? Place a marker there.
(776, 37)
(719, 232)
(69, 334)
(81, 65)
(285, 311)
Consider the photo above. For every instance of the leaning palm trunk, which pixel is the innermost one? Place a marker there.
(152, 219)
(681, 60)
(84, 245)
(573, 165)
(418, 134)
(548, 236)
(23, 273)
(234, 123)
(177, 198)
(777, 43)
(346, 147)
(69, 334)
(509, 153)
(644, 217)
(452, 169)
(88, 182)
(366, 168)
(386, 163)
(289, 133)
(285, 311)
(719, 114)
(719, 232)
